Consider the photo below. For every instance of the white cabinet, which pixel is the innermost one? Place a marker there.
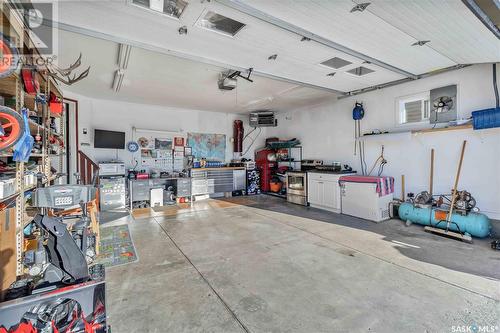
(330, 189)
(239, 179)
(314, 192)
(324, 191)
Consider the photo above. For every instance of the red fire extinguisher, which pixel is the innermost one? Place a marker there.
(238, 136)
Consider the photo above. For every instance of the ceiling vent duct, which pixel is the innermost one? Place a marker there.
(220, 23)
(263, 119)
(360, 71)
(336, 63)
(173, 8)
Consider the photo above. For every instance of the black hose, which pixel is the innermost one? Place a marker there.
(495, 87)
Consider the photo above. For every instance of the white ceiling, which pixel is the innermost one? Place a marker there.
(159, 79)
(384, 31)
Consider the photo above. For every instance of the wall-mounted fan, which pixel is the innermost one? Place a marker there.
(443, 104)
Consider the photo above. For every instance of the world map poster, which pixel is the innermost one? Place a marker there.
(209, 146)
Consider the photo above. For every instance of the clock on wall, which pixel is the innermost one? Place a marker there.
(132, 146)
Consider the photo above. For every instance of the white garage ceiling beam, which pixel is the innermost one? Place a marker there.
(249, 10)
(482, 16)
(192, 57)
(395, 83)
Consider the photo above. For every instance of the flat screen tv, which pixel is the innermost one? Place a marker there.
(109, 139)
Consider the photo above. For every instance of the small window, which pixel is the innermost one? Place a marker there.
(413, 109)
(220, 23)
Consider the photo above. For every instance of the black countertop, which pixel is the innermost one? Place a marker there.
(332, 172)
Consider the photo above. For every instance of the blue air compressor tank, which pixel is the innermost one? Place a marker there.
(476, 224)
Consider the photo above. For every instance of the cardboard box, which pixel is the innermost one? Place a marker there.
(8, 254)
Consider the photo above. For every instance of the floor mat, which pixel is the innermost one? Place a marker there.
(169, 210)
(112, 216)
(116, 246)
(239, 201)
(140, 213)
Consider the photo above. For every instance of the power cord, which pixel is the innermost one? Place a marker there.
(253, 140)
(381, 159)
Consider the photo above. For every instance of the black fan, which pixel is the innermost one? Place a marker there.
(442, 104)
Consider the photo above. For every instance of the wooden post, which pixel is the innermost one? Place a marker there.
(457, 177)
(431, 180)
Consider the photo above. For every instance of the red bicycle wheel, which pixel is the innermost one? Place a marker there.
(13, 127)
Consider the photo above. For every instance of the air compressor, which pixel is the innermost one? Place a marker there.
(452, 215)
(473, 223)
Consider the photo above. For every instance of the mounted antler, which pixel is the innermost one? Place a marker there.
(65, 73)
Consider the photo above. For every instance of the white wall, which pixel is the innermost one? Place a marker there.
(121, 116)
(327, 132)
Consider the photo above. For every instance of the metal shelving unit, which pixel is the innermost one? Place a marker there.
(12, 86)
(294, 160)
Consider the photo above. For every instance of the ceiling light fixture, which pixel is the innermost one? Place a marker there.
(420, 43)
(123, 55)
(360, 7)
(272, 57)
(305, 39)
(118, 80)
(331, 74)
(124, 51)
(183, 30)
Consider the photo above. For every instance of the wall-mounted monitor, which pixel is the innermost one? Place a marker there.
(109, 139)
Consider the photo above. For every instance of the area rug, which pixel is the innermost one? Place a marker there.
(116, 246)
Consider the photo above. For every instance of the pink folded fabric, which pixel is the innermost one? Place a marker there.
(385, 184)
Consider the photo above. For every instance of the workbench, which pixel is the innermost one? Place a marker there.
(217, 180)
(203, 181)
(139, 189)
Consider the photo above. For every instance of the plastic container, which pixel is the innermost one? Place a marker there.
(7, 187)
(488, 118)
(275, 187)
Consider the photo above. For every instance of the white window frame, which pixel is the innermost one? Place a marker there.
(399, 106)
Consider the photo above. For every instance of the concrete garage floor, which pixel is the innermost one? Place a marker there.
(278, 267)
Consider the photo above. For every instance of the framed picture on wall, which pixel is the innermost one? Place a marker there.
(178, 141)
(163, 144)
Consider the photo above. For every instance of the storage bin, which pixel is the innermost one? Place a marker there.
(7, 187)
(29, 180)
(488, 118)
